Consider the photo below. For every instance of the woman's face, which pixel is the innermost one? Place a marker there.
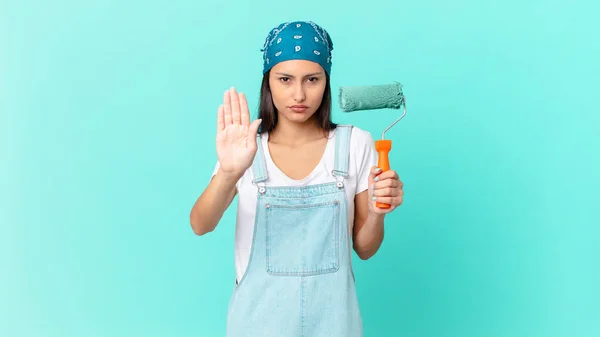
(297, 88)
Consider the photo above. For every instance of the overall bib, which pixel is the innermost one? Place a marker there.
(299, 280)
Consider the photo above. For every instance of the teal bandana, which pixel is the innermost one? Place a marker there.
(298, 40)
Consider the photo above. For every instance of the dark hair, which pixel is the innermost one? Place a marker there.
(268, 113)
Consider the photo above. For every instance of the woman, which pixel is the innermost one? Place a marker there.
(307, 190)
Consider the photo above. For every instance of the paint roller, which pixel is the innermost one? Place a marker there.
(386, 96)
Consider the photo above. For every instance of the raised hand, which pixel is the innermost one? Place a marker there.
(236, 137)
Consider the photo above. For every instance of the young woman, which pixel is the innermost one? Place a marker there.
(307, 191)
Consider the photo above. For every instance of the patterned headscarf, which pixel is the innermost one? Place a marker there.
(298, 40)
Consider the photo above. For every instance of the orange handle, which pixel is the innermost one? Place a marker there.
(383, 147)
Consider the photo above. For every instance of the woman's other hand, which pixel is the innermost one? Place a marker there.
(384, 187)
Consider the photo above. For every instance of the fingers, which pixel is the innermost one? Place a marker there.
(220, 118)
(386, 187)
(235, 106)
(390, 174)
(387, 192)
(374, 172)
(377, 175)
(227, 108)
(393, 201)
(389, 182)
(245, 114)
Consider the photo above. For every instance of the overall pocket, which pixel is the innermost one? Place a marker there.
(302, 240)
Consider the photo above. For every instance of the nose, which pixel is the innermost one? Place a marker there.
(299, 92)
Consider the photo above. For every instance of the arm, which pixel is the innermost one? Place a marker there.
(236, 147)
(368, 230)
(210, 206)
(368, 227)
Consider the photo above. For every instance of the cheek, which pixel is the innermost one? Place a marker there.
(278, 97)
(317, 93)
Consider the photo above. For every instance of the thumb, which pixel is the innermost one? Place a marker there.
(253, 131)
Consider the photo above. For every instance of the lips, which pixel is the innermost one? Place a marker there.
(298, 108)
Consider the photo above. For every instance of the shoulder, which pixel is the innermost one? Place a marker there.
(359, 138)
(362, 156)
(362, 148)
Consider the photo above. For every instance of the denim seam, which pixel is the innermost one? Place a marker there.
(330, 204)
(334, 265)
(303, 304)
(252, 248)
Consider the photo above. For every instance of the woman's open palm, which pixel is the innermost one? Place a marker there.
(236, 137)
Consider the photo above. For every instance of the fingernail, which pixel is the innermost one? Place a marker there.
(376, 179)
(377, 170)
(374, 198)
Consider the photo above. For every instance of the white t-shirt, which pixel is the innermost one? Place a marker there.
(362, 157)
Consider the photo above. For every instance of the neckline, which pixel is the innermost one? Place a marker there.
(313, 172)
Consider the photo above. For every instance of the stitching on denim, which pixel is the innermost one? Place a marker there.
(267, 240)
(312, 272)
(327, 204)
(334, 265)
(284, 192)
(337, 233)
(303, 308)
(252, 248)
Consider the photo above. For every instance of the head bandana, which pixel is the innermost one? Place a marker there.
(298, 40)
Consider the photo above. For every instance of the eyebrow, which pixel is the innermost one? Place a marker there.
(289, 75)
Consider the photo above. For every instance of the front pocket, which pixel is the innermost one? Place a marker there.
(302, 240)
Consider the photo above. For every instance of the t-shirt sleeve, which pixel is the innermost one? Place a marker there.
(217, 165)
(366, 157)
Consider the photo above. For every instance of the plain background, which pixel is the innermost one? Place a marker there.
(107, 128)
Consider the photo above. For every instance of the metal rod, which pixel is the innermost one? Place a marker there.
(397, 120)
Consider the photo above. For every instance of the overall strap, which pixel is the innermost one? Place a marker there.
(342, 151)
(259, 165)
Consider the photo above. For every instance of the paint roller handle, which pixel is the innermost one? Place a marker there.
(383, 148)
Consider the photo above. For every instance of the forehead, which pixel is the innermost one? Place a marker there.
(297, 67)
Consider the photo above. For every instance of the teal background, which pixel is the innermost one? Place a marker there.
(107, 127)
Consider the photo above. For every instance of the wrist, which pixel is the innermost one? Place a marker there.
(229, 175)
(375, 217)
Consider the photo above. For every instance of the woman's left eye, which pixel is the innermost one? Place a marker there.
(313, 79)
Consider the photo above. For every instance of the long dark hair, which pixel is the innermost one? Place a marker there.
(268, 113)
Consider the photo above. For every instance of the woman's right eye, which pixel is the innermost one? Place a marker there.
(284, 79)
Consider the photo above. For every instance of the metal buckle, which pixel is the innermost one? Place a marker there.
(339, 183)
(261, 186)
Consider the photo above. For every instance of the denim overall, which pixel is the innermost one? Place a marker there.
(299, 280)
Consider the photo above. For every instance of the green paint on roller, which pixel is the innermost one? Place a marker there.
(387, 96)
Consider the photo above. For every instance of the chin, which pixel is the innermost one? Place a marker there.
(298, 117)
